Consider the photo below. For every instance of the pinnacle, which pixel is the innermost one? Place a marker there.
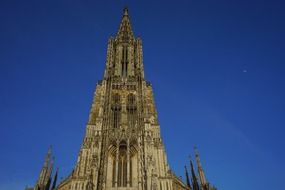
(126, 13)
(125, 29)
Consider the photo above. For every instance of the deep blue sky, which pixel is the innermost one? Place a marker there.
(217, 69)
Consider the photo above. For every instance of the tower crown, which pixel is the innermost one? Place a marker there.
(125, 33)
(124, 56)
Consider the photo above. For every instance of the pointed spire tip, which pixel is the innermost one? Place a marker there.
(126, 12)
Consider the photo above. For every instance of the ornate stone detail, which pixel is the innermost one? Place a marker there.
(122, 148)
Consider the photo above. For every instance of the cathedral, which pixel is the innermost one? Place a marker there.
(122, 148)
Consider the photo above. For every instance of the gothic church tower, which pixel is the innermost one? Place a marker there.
(122, 148)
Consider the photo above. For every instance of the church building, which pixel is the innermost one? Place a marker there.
(122, 148)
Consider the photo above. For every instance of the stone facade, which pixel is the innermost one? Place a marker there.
(122, 147)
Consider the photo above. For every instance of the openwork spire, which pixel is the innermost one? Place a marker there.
(125, 32)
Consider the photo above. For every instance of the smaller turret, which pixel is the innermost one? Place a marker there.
(44, 180)
(201, 183)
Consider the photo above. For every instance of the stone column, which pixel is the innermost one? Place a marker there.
(117, 164)
(139, 168)
(128, 163)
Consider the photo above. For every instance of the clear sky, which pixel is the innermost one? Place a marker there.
(217, 69)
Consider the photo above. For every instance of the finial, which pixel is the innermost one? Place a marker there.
(126, 11)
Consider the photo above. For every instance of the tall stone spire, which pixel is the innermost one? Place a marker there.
(203, 180)
(125, 32)
(122, 147)
(46, 171)
(124, 54)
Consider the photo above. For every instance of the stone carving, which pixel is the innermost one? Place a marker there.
(121, 145)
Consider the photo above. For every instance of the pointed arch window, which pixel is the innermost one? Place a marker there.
(122, 158)
(122, 165)
(124, 63)
(116, 110)
(132, 110)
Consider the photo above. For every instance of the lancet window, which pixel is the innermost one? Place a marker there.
(132, 110)
(124, 71)
(116, 110)
(122, 165)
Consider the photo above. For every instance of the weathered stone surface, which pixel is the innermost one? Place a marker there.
(122, 147)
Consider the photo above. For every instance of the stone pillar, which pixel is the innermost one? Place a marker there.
(117, 164)
(139, 168)
(128, 163)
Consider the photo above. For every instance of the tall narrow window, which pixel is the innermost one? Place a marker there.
(124, 62)
(116, 110)
(122, 165)
(132, 110)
